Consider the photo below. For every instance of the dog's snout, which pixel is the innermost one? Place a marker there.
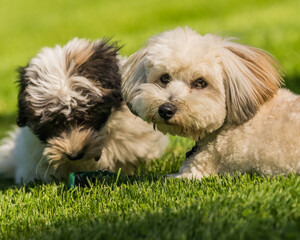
(167, 110)
(97, 158)
(75, 156)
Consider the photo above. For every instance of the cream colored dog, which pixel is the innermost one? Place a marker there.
(224, 95)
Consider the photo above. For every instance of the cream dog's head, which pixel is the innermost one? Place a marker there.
(190, 85)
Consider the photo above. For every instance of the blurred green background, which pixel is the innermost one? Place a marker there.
(27, 26)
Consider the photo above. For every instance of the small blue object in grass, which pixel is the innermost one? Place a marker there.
(85, 179)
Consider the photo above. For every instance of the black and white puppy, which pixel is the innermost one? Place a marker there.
(72, 117)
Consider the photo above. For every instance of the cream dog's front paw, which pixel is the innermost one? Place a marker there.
(184, 175)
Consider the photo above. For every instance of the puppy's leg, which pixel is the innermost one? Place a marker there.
(27, 156)
(8, 144)
(198, 165)
(15, 159)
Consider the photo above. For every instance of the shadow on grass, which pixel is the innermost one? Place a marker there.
(187, 223)
(7, 183)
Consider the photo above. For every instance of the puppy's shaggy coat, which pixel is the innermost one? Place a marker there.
(71, 114)
(224, 95)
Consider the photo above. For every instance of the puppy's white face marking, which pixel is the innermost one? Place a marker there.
(189, 85)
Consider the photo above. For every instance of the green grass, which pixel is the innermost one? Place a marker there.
(239, 207)
(148, 206)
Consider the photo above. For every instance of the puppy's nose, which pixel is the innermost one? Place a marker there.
(167, 110)
(75, 156)
(97, 158)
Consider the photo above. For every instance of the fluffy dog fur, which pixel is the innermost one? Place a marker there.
(71, 114)
(224, 95)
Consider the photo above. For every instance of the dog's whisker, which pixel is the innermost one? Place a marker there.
(45, 174)
(151, 105)
(39, 163)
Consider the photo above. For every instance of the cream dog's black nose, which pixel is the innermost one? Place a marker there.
(167, 110)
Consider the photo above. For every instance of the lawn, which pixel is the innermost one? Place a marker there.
(148, 206)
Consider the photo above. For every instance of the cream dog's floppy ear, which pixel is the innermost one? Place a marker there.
(134, 73)
(252, 77)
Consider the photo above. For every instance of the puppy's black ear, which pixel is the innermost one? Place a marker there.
(252, 77)
(22, 104)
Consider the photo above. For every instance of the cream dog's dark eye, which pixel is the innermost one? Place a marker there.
(199, 83)
(165, 79)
